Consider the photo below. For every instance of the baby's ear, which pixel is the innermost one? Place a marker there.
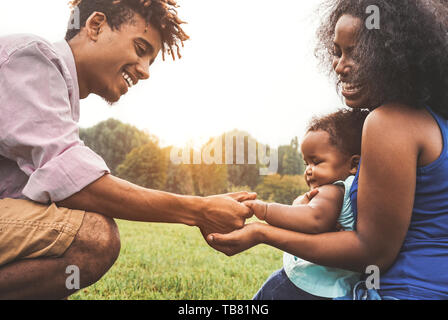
(354, 163)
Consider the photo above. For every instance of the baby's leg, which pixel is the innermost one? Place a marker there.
(279, 287)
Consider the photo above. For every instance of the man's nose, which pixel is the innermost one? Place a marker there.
(143, 70)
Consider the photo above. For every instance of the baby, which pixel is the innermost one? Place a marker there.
(331, 149)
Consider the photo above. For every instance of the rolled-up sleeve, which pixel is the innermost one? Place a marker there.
(37, 129)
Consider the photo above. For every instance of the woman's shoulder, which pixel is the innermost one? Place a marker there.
(408, 128)
(396, 112)
(398, 119)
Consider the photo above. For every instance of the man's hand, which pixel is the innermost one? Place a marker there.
(306, 198)
(225, 213)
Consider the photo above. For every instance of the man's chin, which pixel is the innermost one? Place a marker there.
(111, 100)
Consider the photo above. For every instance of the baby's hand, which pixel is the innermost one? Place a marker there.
(306, 198)
(259, 208)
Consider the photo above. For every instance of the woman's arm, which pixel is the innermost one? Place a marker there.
(318, 216)
(386, 191)
(338, 249)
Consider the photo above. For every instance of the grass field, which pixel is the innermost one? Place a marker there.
(173, 262)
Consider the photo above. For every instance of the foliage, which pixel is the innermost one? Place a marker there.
(145, 166)
(209, 179)
(113, 140)
(241, 174)
(290, 159)
(179, 178)
(281, 189)
(233, 188)
(135, 156)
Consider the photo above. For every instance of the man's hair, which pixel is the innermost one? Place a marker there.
(344, 127)
(405, 60)
(160, 14)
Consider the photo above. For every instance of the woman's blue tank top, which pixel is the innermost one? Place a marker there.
(421, 268)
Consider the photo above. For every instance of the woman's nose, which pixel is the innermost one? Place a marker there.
(342, 68)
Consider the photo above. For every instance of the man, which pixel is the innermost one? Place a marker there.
(58, 198)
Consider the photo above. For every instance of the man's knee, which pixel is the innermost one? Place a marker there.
(96, 247)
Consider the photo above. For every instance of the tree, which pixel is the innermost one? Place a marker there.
(209, 179)
(241, 174)
(281, 189)
(209, 176)
(179, 178)
(290, 159)
(145, 166)
(113, 140)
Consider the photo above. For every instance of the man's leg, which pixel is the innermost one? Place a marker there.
(94, 250)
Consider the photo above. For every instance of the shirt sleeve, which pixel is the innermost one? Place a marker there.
(37, 129)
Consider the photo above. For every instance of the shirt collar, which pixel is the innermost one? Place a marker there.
(64, 50)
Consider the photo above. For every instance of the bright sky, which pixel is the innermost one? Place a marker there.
(249, 65)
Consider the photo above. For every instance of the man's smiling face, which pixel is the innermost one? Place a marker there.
(121, 57)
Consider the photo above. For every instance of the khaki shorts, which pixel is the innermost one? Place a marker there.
(30, 230)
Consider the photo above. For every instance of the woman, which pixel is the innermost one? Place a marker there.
(400, 195)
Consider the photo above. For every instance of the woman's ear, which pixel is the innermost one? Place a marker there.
(354, 163)
(94, 23)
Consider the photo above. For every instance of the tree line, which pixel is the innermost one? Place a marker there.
(136, 156)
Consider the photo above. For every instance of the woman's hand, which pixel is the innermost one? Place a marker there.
(236, 241)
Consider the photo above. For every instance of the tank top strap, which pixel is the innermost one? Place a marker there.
(443, 125)
(442, 122)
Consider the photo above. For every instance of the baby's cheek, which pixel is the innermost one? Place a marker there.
(323, 177)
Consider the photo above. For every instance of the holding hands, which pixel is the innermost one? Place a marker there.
(251, 234)
(225, 213)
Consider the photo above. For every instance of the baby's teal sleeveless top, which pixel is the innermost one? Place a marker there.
(319, 280)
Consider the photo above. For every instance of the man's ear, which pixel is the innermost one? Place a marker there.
(94, 24)
(354, 163)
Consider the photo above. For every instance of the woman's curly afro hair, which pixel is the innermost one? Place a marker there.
(405, 60)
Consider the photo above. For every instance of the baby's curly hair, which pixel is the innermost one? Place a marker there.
(344, 127)
(404, 61)
(161, 14)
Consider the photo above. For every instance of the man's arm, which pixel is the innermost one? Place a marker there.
(117, 198)
(318, 216)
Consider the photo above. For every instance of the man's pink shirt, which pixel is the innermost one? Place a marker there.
(41, 155)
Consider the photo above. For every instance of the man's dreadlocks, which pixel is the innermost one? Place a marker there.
(160, 14)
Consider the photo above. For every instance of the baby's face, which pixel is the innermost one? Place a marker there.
(325, 164)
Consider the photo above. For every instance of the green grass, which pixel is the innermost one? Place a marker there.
(173, 262)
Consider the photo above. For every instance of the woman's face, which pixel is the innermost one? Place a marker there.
(344, 65)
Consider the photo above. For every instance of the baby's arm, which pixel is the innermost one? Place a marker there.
(318, 216)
